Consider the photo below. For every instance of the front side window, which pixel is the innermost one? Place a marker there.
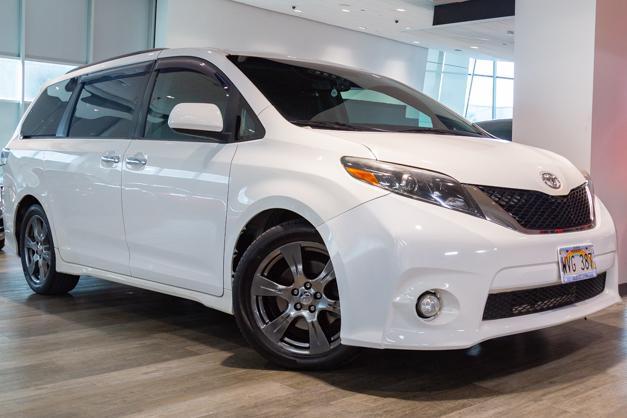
(46, 113)
(181, 86)
(329, 97)
(107, 106)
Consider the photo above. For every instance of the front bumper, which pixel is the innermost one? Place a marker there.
(392, 249)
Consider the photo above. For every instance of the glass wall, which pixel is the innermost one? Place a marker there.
(478, 89)
(43, 39)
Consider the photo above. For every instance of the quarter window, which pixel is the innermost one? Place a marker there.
(107, 106)
(44, 117)
(181, 86)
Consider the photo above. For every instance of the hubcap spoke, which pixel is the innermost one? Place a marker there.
(31, 265)
(293, 255)
(318, 342)
(327, 275)
(43, 268)
(276, 329)
(263, 286)
(30, 244)
(37, 233)
(332, 306)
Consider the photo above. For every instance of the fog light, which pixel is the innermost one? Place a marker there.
(428, 305)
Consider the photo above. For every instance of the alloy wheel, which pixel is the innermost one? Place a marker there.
(37, 249)
(295, 299)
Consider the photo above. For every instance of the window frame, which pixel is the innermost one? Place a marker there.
(232, 115)
(110, 73)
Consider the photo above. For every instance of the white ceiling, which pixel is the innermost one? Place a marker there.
(415, 17)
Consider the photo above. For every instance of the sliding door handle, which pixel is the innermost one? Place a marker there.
(137, 160)
(110, 158)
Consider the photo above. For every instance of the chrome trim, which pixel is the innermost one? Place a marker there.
(493, 212)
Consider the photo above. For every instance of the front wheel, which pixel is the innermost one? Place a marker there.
(287, 302)
(37, 254)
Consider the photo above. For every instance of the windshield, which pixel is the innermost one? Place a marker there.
(329, 97)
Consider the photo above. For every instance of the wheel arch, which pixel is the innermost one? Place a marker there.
(259, 218)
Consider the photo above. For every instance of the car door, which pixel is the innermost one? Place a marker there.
(84, 169)
(175, 185)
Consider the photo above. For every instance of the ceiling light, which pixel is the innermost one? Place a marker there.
(296, 10)
(346, 10)
(416, 42)
(362, 28)
(401, 10)
(474, 47)
(407, 28)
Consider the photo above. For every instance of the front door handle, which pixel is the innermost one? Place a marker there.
(110, 158)
(137, 160)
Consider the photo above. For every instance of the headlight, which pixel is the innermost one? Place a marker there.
(427, 186)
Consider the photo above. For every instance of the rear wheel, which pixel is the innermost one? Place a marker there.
(287, 302)
(38, 258)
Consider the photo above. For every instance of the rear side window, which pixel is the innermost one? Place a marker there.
(181, 86)
(107, 107)
(46, 113)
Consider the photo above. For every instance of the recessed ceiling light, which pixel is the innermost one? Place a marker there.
(474, 47)
(415, 42)
(362, 28)
(296, 10)
(346, 10)
(401, 10)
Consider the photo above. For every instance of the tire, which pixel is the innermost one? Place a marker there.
(289, 311)
(1, 244)
(38, 257)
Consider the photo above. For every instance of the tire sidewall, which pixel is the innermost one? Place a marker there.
(243, 310)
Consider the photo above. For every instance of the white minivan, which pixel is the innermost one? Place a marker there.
(327, 208)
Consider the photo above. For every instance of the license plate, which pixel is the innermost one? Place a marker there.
(577, 263)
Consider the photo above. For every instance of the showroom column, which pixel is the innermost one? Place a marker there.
(571, 91)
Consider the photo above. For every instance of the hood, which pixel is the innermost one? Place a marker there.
(479, 161)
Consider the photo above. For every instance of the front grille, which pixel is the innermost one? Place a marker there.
(540, 299)
(538, 211)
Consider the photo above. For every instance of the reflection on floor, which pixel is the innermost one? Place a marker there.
(112, 350)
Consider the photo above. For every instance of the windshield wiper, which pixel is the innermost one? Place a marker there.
(443, 132)
(340, 126)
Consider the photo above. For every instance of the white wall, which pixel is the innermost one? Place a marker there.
(571, 92)
(554, 58)
(231, 25)
(609, 120)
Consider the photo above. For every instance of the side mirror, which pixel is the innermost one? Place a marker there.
(196, 118)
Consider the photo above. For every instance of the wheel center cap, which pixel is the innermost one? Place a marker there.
(306, 298)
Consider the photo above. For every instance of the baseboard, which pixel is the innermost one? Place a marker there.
(622, 289)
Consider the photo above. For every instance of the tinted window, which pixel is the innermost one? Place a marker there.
(106, 107)
(181, 86)
(44, 117)
(330, 97)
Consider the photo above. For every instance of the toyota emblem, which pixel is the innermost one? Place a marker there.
(551, 180)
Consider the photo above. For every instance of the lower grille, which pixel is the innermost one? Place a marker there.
(540, 299)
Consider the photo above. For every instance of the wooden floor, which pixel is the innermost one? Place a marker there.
(112, 350)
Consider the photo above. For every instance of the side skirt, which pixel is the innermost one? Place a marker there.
(222, 303)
